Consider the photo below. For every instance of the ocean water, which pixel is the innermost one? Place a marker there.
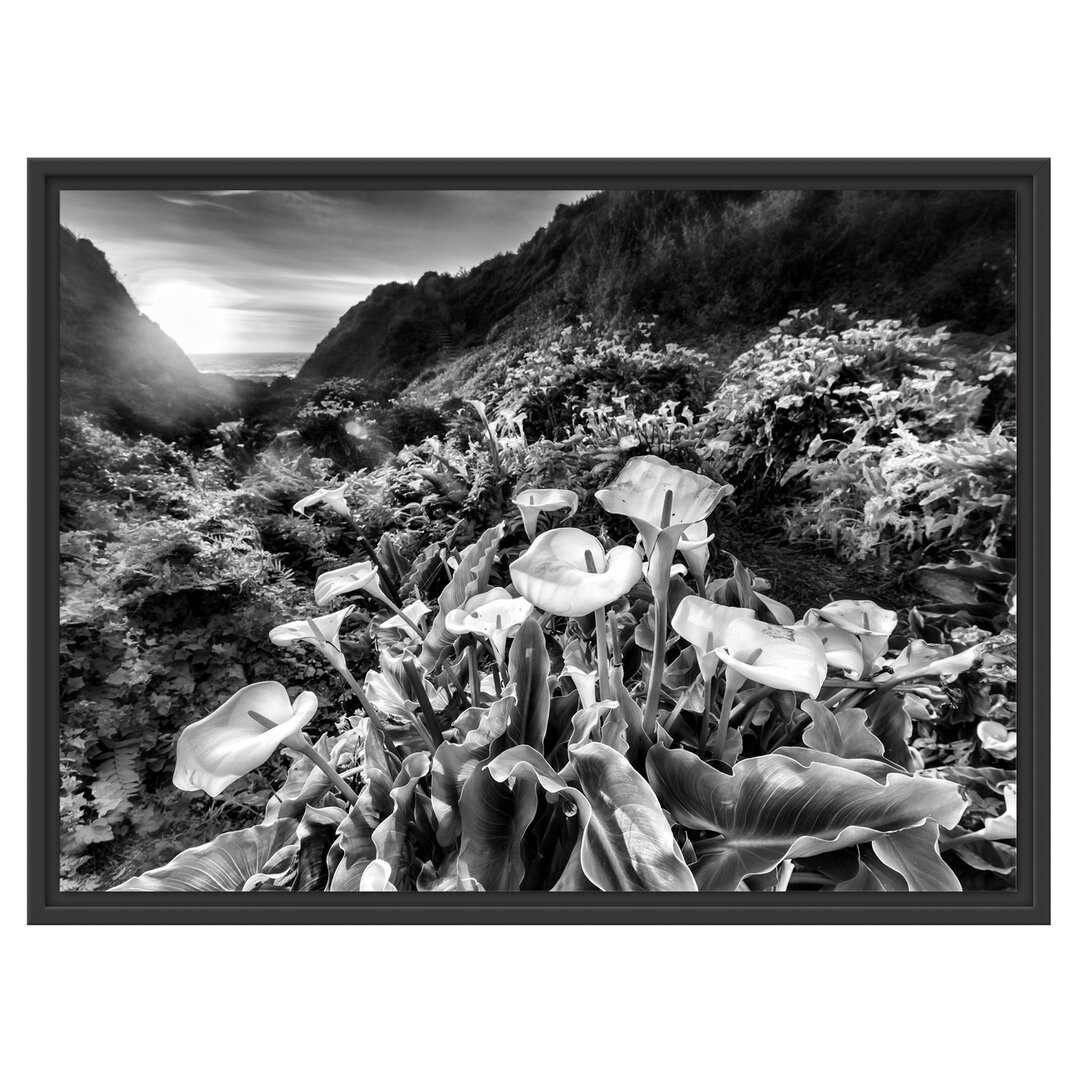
(260, 367)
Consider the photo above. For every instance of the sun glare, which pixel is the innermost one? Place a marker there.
(190, 314)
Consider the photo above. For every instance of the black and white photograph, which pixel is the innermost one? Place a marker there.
(650, 540)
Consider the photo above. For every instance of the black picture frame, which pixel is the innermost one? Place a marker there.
(1029, 904)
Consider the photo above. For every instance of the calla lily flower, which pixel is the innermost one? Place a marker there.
(532, 502)
(555, 573)
(997, 739)
(783, 657)
(1002, 827)
(413, 612)
(576, 666)
(494, 615)
(870, 623)
(922, 658)
(323, 632)
(215, 751)
(705, 625)
(361, 575)
(332, 497)
(661, 499)
(842, 650)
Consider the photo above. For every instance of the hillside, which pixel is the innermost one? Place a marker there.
(705, 265)
(120, 365)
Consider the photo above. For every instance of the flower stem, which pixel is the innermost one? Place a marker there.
(384, 577)
(405, 618)
(474, 674)
(725, 714)
(602, 654)
(320, 762)
(365, 704)
(303, 744)
(745, 711)
(656, 672)
(706, 714)
(429, 730)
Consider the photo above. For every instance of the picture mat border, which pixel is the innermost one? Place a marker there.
(1028, 178)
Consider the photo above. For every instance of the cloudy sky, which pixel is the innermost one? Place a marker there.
(273, 271)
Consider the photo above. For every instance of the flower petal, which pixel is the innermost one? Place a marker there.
(782, 657)
(554, 574)
(641, 490)
(215, 751)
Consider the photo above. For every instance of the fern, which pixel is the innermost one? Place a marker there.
(117, 780)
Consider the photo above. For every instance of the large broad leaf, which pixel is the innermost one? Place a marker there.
(494, 817)
(390, 837)
(316, 833)
(775, 807)
(470, 578)
(914, 854)
(528, 669)
(353, 850)
(843, 733)
(626, 841)
(890, 724)
(223, 865)
(872, 875)
(454, 763)
(303, 785)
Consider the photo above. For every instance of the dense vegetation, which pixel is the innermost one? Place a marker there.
(709, 268)
(866, 459)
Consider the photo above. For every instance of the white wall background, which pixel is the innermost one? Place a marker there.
(559, 79)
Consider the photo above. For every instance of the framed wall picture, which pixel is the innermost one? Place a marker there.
(476, 541)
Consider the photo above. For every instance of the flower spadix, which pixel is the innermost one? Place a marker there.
(332, 497)
(705, 625)
(568, 572)
(360, 576)
(215, 751)
(324, 633)
(783, 657)
(494, 615)
(661, 499)
(532, 502)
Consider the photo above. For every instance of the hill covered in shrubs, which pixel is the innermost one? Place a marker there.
(706, 268)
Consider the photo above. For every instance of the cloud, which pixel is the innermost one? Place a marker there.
(286, 265)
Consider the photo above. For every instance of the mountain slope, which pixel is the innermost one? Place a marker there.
(120, 365)
(701, 264)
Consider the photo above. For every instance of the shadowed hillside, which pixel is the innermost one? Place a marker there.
(120, 365)
(703, 265)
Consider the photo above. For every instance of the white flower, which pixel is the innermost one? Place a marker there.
(332, 497)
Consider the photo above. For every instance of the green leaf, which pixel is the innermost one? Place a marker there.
(873, 875)
(914, 854)
(353, 849)
(494, 817)
(316, 833)
(454, 763)
(626, 843)
(390, 837)
(223, 865)
(528, 669)
(470, 578)
(844, 733)
(891, 725)
(776, 807)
